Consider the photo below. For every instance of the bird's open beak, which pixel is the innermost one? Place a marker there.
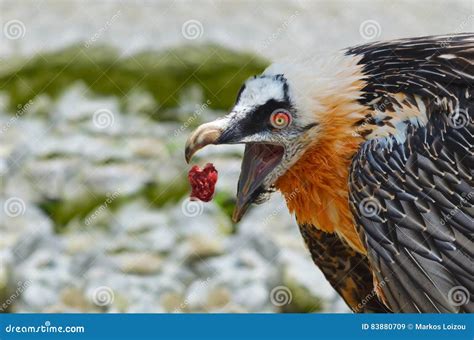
(259, 159)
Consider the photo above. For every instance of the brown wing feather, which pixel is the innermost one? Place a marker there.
(345, 269)
(412, 199)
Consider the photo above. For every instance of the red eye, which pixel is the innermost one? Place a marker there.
(280, 119)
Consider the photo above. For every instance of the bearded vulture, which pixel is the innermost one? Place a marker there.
(372, 149)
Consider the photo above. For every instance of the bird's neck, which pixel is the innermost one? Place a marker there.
(316, 186)
(316, 189)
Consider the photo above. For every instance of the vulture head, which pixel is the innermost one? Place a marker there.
(297, 124)
(268, 118)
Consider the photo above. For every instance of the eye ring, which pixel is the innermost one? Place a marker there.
(280, 119)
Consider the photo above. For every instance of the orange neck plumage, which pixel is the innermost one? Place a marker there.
(320, 176)
(320, 179)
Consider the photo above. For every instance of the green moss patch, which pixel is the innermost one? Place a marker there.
(219, 72)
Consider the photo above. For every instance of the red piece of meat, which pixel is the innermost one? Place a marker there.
(202, 182)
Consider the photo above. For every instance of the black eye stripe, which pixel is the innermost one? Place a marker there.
(259, 119)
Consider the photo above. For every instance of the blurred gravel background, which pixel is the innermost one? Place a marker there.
(96, 101)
